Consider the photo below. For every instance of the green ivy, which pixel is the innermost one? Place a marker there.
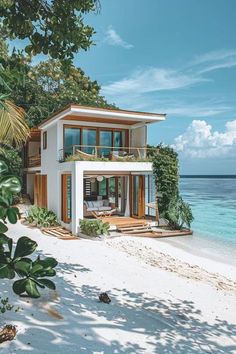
(166, 178)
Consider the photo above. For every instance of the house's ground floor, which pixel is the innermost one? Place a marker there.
(88, 189)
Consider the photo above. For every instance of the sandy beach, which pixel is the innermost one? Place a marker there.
(164, 300)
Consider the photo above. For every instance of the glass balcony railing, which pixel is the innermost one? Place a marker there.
(106, 153)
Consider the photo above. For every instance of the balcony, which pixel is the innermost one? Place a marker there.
(106, 153)
(34, 161)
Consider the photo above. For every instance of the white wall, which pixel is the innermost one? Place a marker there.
(138, 136)
(49, 166)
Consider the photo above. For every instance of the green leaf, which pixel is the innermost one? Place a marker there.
(36, 268)
(3, 167)
(48, 262)
(11, 183)
(31, 289)
(12, 215)
(3, 227)
(24, 247)
(23, 267)
(48, 283)
(19, 286)
(6, 271)
(2, 212)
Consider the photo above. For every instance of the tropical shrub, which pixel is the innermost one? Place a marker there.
(94, 227)
(179, 213)
(41, 217)
(14, 260)
(12, 159)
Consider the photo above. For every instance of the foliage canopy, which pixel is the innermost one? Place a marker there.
(52, 27)
(47, 87)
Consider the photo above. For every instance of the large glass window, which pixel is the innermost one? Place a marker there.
(71, 138)
(89, 139)
(105, 139)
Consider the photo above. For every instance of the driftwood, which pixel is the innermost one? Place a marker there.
(7, 333)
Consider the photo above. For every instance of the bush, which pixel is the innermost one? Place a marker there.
(41, 217)
(94, 227)
(13, 160)
(179, 213)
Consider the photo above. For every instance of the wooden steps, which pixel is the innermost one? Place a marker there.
(134, 228)
(59, 232)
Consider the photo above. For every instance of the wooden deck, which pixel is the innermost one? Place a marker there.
(122, 221)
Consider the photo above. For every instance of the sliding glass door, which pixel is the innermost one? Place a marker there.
(89, 138)
(105, 139)
(71, 138)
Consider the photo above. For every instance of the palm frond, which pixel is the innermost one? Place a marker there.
(14, 130)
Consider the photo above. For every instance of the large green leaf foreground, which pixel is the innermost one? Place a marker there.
(33, 273)
(13, 260)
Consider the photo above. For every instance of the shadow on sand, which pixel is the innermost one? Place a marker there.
(166, 326)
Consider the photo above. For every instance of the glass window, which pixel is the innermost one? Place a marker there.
(71, 138)
(102, 187)
(89, 139)
(45, 143)
(105, 139)
(117, 140)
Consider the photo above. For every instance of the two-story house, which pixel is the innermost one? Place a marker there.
(86, 161)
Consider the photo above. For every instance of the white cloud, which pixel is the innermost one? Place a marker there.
(196, 110)
(150, 80)
(215, 60)
(145, 88)
(199, 140)
(113, 38)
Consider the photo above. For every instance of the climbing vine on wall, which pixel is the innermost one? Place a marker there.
(166, 177)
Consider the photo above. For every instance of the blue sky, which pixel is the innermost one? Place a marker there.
(175, 57)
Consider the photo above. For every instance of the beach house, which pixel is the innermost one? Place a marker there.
(85, 162)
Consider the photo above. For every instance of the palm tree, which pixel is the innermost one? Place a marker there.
(14, 130)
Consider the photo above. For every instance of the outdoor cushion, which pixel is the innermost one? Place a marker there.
(106, 202)
(90, 204)
(104, 208)
(92, 209)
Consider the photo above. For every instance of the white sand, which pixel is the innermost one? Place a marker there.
(162, 302)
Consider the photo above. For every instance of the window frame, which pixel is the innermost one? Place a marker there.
(45, 140)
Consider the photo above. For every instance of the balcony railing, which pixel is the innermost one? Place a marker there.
(106, 153)
(34, 161)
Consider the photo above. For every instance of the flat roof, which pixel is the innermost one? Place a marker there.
(121, 116)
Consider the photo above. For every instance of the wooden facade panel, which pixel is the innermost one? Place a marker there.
(66, 198)
(40, 190)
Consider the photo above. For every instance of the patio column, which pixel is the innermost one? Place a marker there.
(127, 202)
(77, 197)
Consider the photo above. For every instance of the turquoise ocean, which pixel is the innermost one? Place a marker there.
(213, 202)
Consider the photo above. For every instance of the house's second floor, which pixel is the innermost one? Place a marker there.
(88, 133)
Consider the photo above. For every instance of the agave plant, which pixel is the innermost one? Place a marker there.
(41, 217)
(94, 227)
